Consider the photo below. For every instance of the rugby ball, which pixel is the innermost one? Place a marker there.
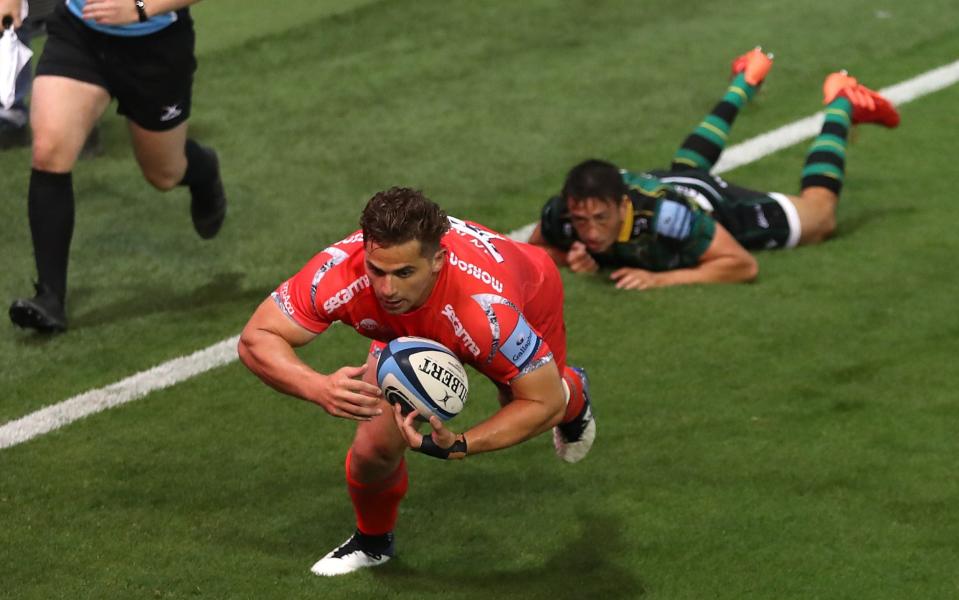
(423, 375)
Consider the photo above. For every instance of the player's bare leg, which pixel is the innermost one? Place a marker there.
(816, 208)
(377, 481)
(848, 103)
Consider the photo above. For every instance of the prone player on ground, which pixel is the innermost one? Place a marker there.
(684, 225)
(412, 270)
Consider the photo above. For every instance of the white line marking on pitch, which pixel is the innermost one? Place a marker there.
(136, 386)
(222, 353)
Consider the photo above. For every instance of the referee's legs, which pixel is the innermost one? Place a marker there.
(169, 159)
(63, 111)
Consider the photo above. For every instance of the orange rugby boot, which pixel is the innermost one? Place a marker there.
(754, 65)
(868, 106)
(834, 83)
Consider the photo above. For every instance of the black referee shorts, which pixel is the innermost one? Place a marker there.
(151, 76)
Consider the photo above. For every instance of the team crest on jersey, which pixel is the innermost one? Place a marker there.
(368, 325)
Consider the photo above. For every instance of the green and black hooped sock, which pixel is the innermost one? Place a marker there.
(826, 160)
(702, 148)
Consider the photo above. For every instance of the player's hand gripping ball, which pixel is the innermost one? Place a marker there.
(422, 375)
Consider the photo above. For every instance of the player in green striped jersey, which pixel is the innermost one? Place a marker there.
(685, 225)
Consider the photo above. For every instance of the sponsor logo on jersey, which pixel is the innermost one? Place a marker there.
(477, 272)
(448, 378)
(356, 237)
(674, 220)
(168, 113)
(344, 296)
(480, 238)
(521, 344)
(336, 257)
(761, 217)
(460, 331)
(283, 299)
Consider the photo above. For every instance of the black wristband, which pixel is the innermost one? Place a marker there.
(141, 10)
(457, 450)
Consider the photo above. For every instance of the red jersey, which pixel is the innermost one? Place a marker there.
(497, 304)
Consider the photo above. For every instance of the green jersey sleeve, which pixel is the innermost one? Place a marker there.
(669, 231)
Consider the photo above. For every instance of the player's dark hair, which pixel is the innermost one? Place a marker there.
(594, 179)
(398, 215)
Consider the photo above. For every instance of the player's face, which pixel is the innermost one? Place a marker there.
(400, 276)
(597, 223)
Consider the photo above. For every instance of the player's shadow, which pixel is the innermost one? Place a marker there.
(849, 226)
(146, 299)
(588, 566)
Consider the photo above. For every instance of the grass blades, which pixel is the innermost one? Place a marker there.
(792, 438)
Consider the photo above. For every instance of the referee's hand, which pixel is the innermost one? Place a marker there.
(10, 9)
(111, 12)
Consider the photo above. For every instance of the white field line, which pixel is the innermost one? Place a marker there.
(224, 352)
(787, 135)
(133, 387)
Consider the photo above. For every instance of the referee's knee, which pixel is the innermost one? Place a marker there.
(51, 155)
(162, 179)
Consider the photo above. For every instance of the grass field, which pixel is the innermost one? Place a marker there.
(793, 438)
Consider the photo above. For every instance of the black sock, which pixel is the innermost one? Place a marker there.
(376, 544)
(201, 165)
(51, 209)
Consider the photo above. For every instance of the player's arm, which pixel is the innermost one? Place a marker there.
(537, 406)
(554, 234)
(267, 348)
(724, 261)
(124, 12)
(576, 258)
(537, 239)
(538, 403)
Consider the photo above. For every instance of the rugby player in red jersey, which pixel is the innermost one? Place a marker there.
(412, 270)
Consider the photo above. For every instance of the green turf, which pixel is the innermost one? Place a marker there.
(793, 438)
